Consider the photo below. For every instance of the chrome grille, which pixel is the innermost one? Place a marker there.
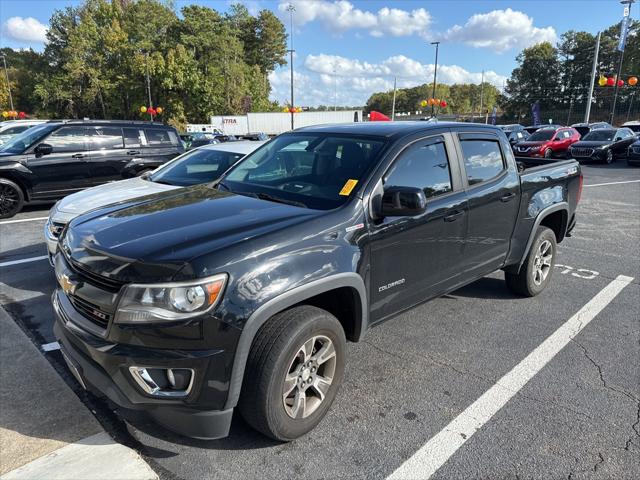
(523, 149)
(55, 229)
(636, 150)
(581, 152)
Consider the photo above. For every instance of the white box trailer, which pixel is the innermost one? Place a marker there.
(274, 123)
(231, 124)
(278, 122)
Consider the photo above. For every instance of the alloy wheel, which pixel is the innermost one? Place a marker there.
(9, 199)
(542, 262)
(309, 377)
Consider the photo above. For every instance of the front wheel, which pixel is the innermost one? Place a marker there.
(537, 270)
(609, 158)
(548, 153)
(293, 372)
(11, 198)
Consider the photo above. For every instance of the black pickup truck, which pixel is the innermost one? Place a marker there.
(243, 293)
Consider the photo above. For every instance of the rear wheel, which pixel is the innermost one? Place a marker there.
(537, 270)
(293, 373)
(11, 198)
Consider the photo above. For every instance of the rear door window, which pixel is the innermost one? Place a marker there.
(160, 137)
(105, 138)
(134, 137)
(483, 159)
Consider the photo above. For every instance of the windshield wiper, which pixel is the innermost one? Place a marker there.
(271, 198)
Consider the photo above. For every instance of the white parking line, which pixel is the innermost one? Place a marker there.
(611, 183)
(435, 453)
(23, 220)
(50, 347)
(23, 260)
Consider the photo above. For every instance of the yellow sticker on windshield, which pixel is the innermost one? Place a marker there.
(348, 186)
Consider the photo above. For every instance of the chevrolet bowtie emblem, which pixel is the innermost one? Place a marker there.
(68, 285)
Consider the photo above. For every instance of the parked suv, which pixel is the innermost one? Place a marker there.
(603, 144)
(56, 158)
(242, 293)
(548, 142)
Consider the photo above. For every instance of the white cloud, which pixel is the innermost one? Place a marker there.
(25, 30)
(341, 15)
(500, 30)
(323, 78)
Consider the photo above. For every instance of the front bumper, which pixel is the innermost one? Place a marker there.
(102, 367)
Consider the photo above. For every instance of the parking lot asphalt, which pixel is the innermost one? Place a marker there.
(577, 417)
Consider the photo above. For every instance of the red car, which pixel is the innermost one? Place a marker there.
(548, 142)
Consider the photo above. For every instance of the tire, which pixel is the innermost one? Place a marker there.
(548, 153)
(609, 159)
(11, 198)
(278, 352)
(537, 269)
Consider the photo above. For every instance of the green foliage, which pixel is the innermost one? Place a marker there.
(560, 78)
(200, 63)
(460, 98)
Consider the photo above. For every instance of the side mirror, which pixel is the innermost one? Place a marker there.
(43, 149)
(403, 202)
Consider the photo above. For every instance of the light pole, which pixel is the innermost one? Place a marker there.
(624, 25)
(146, 64)
(6, 74)
(435, 76)
(291, 9)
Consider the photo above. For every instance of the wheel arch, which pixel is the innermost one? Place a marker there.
(555, 217)
(324, 293)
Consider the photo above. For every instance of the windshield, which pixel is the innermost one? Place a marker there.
(600, 135)
(21, 142)
(315, 170)
(195, 166)
(540, 135)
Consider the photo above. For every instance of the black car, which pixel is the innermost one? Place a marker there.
(242, 293)
(584, 128)
(515, 133)
(604, 144)
(257, 136)
(633, 153)
(60, 157)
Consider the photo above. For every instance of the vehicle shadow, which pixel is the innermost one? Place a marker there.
(34, 250)
(485, 288)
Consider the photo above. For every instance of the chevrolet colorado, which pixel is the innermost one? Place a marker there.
(243, 292)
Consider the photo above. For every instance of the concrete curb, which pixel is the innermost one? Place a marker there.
(96, 457)
(45, 430)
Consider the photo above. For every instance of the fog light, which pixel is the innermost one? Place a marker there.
(164, 382)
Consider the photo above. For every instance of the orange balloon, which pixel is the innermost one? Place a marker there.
(159, 109)
(633, 80)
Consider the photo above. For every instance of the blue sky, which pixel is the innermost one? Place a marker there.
(347, 49)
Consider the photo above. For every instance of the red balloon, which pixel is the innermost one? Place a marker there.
(151, 111)
(22, 114)
(443, 103)
(611, 81)
(620, 82)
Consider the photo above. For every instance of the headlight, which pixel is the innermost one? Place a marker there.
(170, 301)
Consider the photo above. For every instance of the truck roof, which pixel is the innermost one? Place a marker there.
(390, 129)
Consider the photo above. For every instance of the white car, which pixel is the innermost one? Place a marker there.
(200, 165)
(11, 128)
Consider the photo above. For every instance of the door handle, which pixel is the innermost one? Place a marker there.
(452, 217)
(77, 155)
(507, 197)
(133, 152)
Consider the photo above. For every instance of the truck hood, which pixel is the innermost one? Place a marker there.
(95, 197)
(154, 238)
